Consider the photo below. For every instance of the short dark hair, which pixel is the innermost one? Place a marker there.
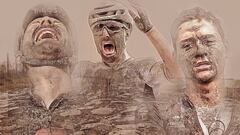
(192, 14)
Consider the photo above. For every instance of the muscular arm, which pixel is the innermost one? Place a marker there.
(161, 46)
(144, 24)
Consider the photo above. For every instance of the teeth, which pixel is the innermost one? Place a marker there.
(46, 32)
(42, 35)
(108, 48)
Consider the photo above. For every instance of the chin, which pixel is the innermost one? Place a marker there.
(205, 76)
(110, 60)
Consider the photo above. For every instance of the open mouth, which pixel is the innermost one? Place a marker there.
(108, 49)
(46, 33)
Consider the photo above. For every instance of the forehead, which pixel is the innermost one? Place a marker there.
(43, 17)
(197, 28)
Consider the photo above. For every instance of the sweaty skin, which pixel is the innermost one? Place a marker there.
(120, 88)
(144, 24)
(45, 49)
(204, 106)
(201, 50)
(45, 39)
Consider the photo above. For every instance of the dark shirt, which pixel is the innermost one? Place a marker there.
(122, 96)
(26, 113)
(107, 101)
(181, 117)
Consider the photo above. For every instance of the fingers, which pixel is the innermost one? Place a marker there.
(141, 12)
(135, 5)
(133, 2)
(133, 14)
(135, 17)
(142, 15)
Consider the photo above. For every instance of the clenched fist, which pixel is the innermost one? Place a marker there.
(141, 18)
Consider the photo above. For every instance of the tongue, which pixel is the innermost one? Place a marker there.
(109, 49)
(47, 35)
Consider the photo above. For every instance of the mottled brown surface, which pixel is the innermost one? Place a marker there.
(115, 101)
(180, 115)
(122, 95)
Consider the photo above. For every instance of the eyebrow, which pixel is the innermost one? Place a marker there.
(207, 36)
(201, 37)
(187, 39)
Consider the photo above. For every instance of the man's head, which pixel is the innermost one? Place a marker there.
(111, 25)
(199, 45)
(46, 37)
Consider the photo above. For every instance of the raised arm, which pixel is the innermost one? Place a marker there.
(144, 24)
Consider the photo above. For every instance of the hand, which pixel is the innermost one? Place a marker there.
(141, 18)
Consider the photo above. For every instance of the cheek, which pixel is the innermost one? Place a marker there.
(185, 56)
(217, 51)
(27, 42)
(27, 38)
(28, 35)
(97, 40)
(184, 62)
(218, 57)
(119, 39)
(64, 34)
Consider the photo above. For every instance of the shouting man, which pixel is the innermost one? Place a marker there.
(119, 90)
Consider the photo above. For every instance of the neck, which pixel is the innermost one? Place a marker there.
(49, 82)
(120, 60)
(205, 94)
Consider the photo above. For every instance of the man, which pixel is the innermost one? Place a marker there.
(205, 107)
(119, 90)
(46, 50)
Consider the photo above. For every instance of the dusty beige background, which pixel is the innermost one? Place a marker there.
(162, 13)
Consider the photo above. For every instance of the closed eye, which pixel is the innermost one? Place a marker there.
(187, 46)
(208, 40)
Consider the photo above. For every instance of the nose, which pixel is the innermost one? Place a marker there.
(46, 21)
(201, 49)
(105, 32)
